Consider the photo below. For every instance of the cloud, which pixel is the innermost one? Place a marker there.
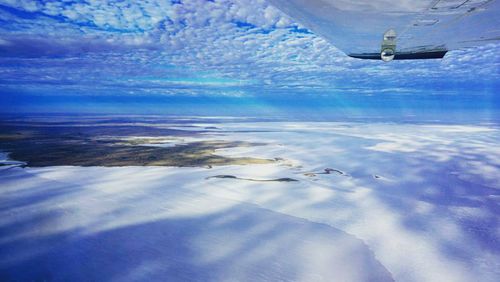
(89, 47)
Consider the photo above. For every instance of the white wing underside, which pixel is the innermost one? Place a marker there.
(422, 26)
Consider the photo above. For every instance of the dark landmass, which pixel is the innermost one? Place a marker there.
(285, 179)
(326, 171)
(47, 144)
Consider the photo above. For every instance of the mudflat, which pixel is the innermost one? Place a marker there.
(44, 144)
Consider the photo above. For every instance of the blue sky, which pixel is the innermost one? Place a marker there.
(216, 57)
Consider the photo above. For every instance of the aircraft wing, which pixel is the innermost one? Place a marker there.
(423, 29)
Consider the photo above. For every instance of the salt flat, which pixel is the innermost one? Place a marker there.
(403, 202)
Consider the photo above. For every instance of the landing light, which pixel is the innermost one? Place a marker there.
(387, 55)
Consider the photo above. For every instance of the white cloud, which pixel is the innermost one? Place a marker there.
(239, 39)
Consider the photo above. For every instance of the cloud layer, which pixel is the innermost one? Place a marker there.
(198, 47)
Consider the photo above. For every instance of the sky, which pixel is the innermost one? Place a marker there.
(219, 57)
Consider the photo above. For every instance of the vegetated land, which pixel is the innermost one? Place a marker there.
(77, 145)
